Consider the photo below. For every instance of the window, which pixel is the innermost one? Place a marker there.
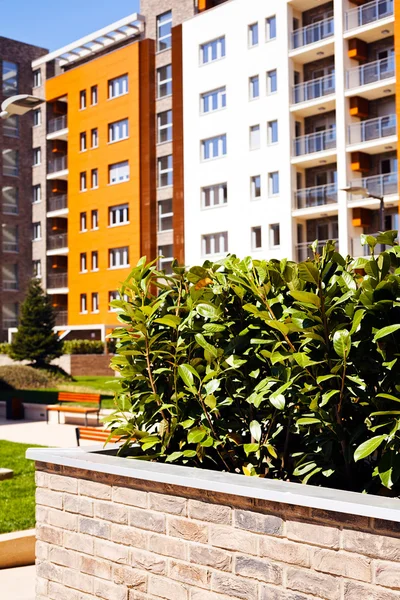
(164, 31)
(214, 243)
(253, 35)
(164, 81)
(37, 269)
(10, 78)
(254, 85)
(272, 132)
(11, 126)
(118, 131)
(213, 147)
(215, 100)
(82, 141)
(272, 82)
(83, 262)
(9, 200)
(36, 193)
(82, 99)
(95, 219)
(274, 235)
(10, 237)
(37, 231)
(93, 95)
(37, 156)
(83, 303)
(271, 28)
(10, 277)
(165, 171)
(118, 215)
(118, 86)
(82, 182)
(119, 172)
(165, 215)
(95, 302)
(214, 195)
(83, 223)
(37, 78)
(118, 258)
(166, 254)
(164, 127)
(255, 187)
(10, 162)
(273, 179)
(94, 179)
(113, 296)
(256, 240)
(212, 50)
(95, 261)
(255, 137)
(94, 135)
(37, 117)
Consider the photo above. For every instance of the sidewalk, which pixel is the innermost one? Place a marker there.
(38, 432)
(18, 583)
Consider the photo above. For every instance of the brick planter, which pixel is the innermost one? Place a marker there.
(116, 529)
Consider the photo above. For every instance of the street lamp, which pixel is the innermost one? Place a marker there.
(19, 105)
(358, 189)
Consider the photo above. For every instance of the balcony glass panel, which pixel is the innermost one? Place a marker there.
(315, 142)
(59, 240)
(57, 124)
(316, 32)
(316, 196)
(316, 88)
(61, 317)
(57, 280)
(378, 185)
(372, 129)
(58, 164)
(304, 250)
(369, 13)
(57, 202)
(371, 72)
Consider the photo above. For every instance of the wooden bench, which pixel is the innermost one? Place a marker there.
(73, 397)
(96, 434)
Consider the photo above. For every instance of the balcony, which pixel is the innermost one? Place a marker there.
(373, 135)
(57, 280)
(304, 250)
(57, 244)
(315, 197)
(10, 323)
(10, 170)
(57, 204)
(61, 318)
(58, 168)
(367, 19)
(311, 149)
(377, 186)
(372, 77)
(310, 94)
(57, 129)
(10, 246)
(10, 286)
(10, 209)
(306, 41)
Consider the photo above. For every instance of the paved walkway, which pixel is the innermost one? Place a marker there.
(38, 432)
(18, 583)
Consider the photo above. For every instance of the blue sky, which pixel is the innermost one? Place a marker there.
(52, 24)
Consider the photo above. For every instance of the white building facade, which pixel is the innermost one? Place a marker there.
(287, 104)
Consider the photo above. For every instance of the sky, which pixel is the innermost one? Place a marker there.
(52, 24)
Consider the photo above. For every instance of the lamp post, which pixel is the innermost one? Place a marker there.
(19, 105)
(363, 190)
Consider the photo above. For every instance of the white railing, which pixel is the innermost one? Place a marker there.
(371, 72)
(369, 13)
(304, 249)
(316, 88)
(57, 124)
(315, 142)
(58, 164)
(316, 32)
(372, 129)
(377, 185)
(316, 196)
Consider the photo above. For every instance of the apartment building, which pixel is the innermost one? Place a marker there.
(287, 105)
(15, 182)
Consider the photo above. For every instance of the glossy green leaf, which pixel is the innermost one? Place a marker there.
(368, 447)
(342, 343)
(386, 331)
(255, 430)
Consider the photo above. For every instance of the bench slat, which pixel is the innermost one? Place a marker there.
(96, 434)
(76, 397)
(76, 409)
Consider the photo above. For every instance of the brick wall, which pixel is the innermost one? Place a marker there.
(91, 364)
(115, 538)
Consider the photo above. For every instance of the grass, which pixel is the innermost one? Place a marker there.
(97, 383)
(17, 495)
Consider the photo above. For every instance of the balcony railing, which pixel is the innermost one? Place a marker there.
(57, 124)
(372, 72)
(304, 250)
(61, 317)
(10, 170)
(57, 202)
(316, 32)
(10, 209)
(10, 323)
(315, 142)
(59, 240)
(10, 130)
(58, 164)
(369, 13)
(316, 196)
(10, 285)
(373, 129)
(10, 246)
(57, 280)
(316, 88)
(378, 185)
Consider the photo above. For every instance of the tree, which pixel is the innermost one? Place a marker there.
(35, 339)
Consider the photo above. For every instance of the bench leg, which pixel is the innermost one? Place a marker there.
(98, 418)
(86, 421)
(47, 417)
(58, 416)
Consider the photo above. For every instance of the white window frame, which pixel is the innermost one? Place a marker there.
(37, 117)
(255, 137)
(118, 215)
(270, 28)
(83, 181)
(168, 172)
(253, 27)
(82, 100)
(166, 127)
(164, 82)
(94, 261)
(94, 137)
(213, 100)
(165, 262)
(117, 131)
(118, 173)
(254, 187)
(271, 232)
(37, 268)
(83, 222)
(163, 216)
(217, 146)
(255, 232)
(118, 258)
(254, 84)
(270, 130)
(37, 78)
(271, 183)
(83, 262)
(83, 304)
(94, 179)
(164, 20)
(37, 157)
(95, 302)
(272, 75)
(218, 243)
(94, 219)
(216, 194)
(37, 231)
(36, 194)
(118, 86)
(213, 50)
(82, 141)
(94, 93)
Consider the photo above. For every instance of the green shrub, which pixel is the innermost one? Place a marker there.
(20, 377)
(274, 369)
(4, 348)
(83, 347)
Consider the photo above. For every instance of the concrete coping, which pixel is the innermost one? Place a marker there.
(105, 461)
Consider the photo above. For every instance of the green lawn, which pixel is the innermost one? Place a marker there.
(97, 383)
(17, 495)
